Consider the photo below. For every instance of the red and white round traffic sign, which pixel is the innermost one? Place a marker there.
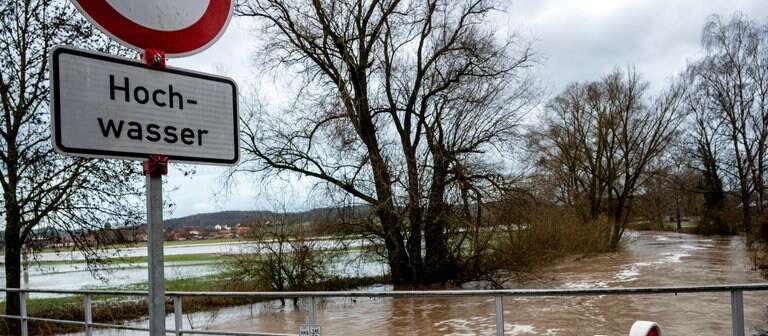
(177, 27)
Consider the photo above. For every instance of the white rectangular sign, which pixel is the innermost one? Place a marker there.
(105, 106)
(310, 330)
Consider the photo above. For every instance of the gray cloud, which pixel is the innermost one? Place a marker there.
(583, 40)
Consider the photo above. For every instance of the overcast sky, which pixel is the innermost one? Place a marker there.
(579, 40)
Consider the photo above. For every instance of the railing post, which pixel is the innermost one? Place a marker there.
(88, 314)
(177, 314)
(23, 313)
(312, 315)
(737, 312)
(499, 315)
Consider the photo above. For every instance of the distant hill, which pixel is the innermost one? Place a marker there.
(245, 217)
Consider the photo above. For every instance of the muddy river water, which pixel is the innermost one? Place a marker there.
(651, 259)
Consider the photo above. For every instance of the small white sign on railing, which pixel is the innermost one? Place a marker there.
(310, 330)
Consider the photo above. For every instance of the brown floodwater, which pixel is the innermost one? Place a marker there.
(651, 259)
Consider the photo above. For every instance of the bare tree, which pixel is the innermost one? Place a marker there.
(43, 191)
(601, 140)
(706, 148)
(405, 105)
(731, 90)
(283, 255)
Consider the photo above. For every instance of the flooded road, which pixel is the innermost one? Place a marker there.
(652, 259)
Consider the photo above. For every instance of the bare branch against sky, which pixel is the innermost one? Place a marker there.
(579, 40)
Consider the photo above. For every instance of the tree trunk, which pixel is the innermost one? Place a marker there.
(394, 240)
(12, 274)
(439, 265)
(594, 198)
(619, 222)
(13, 238)
(414, 216)
(397, 256)
(714, 195)
(746, 211)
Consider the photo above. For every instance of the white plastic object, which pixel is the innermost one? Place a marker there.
(645, 328)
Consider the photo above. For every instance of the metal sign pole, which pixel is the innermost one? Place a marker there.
(155, 252)
(154, 169)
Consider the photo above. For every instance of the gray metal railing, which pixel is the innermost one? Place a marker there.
(736, 291)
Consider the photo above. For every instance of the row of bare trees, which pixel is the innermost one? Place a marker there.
(600, 142)
(728, 102)
(605, 147)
